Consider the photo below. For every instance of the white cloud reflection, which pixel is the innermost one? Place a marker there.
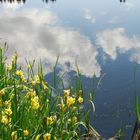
(89, 16)
(129, 5)
(15, 5)
(114, 20)
(37, 34)
(115, 40)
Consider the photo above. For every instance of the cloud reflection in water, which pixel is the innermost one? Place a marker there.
(38, 34)
(115, 40)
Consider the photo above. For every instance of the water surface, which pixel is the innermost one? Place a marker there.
(101, 36)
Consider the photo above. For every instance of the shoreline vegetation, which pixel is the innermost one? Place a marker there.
(29, 111)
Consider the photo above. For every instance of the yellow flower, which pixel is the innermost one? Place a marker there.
(51, 120)
(4, 120)
(54, 118)
(8, 111)
(14, 135)
(47, 136)
(62, 106)
(44, 85)
(80, 100)
(8, 103)
(66, 93)
(70, 101)
(37, 137)
(31, 93)
(35, 102)
(9, 67)
(37, 79)
(25, 133)
(1, 93)
(33, 82)
(23, 79)
(0, 102)
(14, 59)
(21, 75)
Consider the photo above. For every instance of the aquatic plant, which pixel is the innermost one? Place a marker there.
(29, 111)
(136, 130)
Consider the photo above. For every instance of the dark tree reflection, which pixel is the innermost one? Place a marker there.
(122, 0)
(48, 1)
(12, 1)
(23, 1)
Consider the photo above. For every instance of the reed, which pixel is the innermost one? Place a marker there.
(29, 111)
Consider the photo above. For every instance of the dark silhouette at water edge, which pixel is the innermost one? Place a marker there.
(49, 0)
(22, 1)
(122, 0)
(13, 1)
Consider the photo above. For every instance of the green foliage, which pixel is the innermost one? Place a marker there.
(137, 110)
(28, 109)
(119, 134)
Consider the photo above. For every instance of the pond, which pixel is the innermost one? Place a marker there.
(102, 37)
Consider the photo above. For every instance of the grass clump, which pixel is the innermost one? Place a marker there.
(29, 111)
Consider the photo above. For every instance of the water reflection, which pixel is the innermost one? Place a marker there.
(45, 39)
(13, 1)
(122, 0)
(22, 1)
(33, 28)
(123, 44)
(19, 1)
(48, 1)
